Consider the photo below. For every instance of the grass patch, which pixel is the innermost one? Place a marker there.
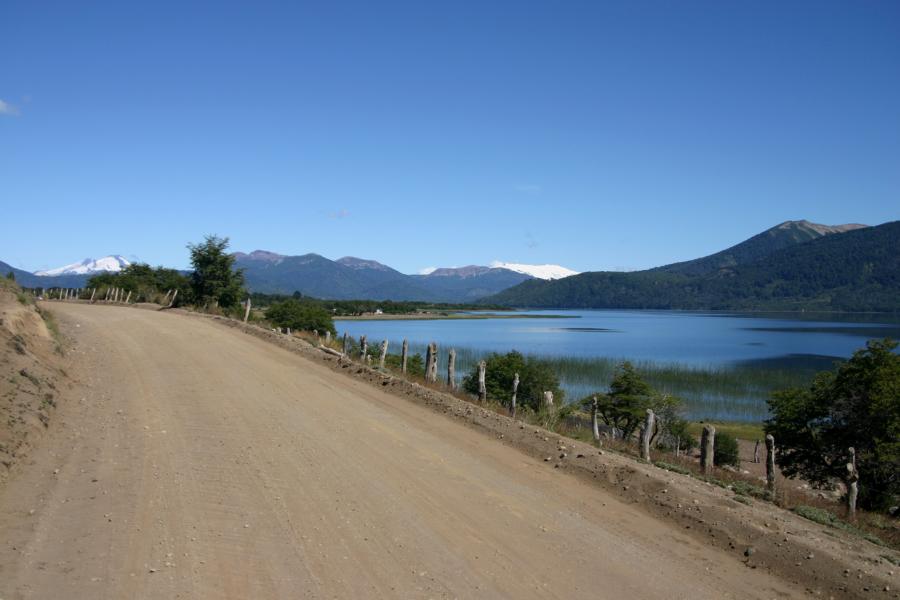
(741, 431)
(829, 519)
(673, 468)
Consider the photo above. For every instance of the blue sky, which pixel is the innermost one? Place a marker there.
(597, 135)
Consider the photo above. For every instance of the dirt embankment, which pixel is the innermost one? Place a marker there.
(31, 370)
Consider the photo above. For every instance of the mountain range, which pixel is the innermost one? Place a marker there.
(796, 265)
(357, 278)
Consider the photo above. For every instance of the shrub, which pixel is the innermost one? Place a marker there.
(725, 450)
(214, 278)
(415, 364)
(300, 316)
(535, 378)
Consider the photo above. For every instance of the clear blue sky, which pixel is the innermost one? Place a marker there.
(592, 134)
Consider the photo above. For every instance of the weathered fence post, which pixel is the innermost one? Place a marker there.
(247, 310)
(128, 297)
(548, 399)
(106, 296)
(756, 452)
(172, 301)
(346, 346)
(595, 425)
(707, 448)
(363, 348)
(93, 291)
(166, 299)
(482, 387)
(384, 347)
(328, 338)
(852, 485)
(431, 363)
(404, 354)
(646, 434)
(512, 401)
(770, 463)
(451, 369)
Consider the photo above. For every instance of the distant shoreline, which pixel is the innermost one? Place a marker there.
(448, 316)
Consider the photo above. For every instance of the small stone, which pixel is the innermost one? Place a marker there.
(548, 458)
(810, 556)
(750, 551)
(152, 570)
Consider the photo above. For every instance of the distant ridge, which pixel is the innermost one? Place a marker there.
(783, 235)
(793, 266)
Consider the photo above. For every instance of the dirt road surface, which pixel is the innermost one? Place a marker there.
(196, 462)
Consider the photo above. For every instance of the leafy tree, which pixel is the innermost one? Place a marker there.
(535, 378)
(301, 316)
(726, 450)
(625, 405)
(855, 405)
(11, 276)
(214, 278)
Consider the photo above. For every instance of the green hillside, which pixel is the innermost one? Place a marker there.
(857, 270)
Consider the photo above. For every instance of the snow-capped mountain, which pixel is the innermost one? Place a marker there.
(537, 271)
(112, 264)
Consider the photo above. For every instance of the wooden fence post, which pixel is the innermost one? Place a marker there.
(756, 452)
(770, 463)
(128, 297)
(451, 369)
(247, 310)
(707, 448)
(384, 347)
(512, 401)
(852, 485)
(595, 425)
(404, 355)
(646, 434)
(548, 399)
(346, 347)
(328, 338)
(431, 363)
(363, 348)
(93, 291)
(482, 387)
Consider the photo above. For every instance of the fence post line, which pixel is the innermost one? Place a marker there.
(404, 355)
(646, 434)
(707, 448)
(451, 369)
(770, 463)
(595, 425)
(384, 347)
(247, 310)
(482, 387)
(512, 401)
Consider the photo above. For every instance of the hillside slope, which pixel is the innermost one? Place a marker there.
(856, 270)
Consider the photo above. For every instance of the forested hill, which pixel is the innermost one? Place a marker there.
(857, 270)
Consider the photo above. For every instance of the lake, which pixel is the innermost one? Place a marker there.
(724, 365)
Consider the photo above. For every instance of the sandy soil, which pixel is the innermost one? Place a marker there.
(192, 461)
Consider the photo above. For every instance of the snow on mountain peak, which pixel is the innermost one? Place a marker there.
(537, 271)
(113, 263)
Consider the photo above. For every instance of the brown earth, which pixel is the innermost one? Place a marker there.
(30, 372)
(191, 461)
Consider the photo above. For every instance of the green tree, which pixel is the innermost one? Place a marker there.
(300, 316)
(855, 405)
(535, 378)
(625, 405)
(726, 450)
(214, 278)
(11, 276)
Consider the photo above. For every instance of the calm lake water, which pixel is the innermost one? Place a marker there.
(723, 365)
